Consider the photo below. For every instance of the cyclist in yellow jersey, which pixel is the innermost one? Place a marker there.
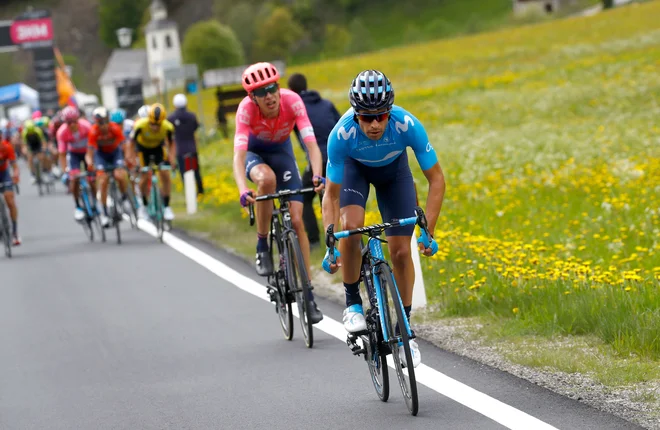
(154, 136)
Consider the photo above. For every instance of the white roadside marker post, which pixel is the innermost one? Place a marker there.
(190, 189)
(419, 292)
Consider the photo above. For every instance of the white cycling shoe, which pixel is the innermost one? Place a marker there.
(168, 215)
(78, 214)
(354, 319)
(142, 213)
(414, 351)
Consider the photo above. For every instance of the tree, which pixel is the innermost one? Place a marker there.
(212, 45)
(115, 14)
(337, 40)
(608, 4)
(277, 35)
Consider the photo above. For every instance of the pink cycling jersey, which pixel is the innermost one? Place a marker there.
(249, 120)
(68, 141)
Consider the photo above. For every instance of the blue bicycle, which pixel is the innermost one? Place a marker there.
(155, 207)
(92, 215)
(385, 314)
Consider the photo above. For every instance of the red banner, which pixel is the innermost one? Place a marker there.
(32, 30)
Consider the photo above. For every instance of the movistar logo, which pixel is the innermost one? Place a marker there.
(404, 127)
(343, 134)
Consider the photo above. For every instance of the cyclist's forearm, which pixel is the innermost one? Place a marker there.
(316, 158)
(436, 195)
(62, 158)
(239, 170)
(330, 206)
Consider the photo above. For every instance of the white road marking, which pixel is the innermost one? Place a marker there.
(494, 409)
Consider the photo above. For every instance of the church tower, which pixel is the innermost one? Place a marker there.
(162, 40)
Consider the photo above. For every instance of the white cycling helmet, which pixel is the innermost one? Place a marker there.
(180, 101)
(143, 112)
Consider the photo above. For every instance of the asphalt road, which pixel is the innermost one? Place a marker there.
(139, 336)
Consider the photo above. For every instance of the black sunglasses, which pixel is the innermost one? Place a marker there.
(269, 89)
(368, 117)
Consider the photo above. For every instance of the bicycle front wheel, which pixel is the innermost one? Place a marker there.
(115, 213)
(393, 313)
(299, 284)
(158, 210)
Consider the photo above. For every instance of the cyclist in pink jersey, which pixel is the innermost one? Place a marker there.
(72, 138)
(264, 155)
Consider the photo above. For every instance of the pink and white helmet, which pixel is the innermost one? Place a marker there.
(70, 114)
(36, 114)
(259, 75)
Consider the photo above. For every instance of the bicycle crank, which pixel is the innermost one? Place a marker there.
(351, 341)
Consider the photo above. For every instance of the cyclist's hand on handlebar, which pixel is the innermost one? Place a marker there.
(319, 183)
(329, 265)
(247, 197)
(426, 244)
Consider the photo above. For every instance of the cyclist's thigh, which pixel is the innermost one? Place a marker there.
(355, 185)
(74, 159)
(396, 197)
(256, 169)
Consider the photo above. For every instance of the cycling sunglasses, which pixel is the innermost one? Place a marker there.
(369, 117)
(268, 89)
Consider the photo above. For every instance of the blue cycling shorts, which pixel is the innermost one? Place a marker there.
(279, 157)
(106, 160)
(6, 182)
(395, 190)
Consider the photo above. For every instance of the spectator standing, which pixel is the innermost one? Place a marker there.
(323, 115)
(220, 113)
(185, 125)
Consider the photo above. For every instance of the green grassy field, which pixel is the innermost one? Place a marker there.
(549, 136)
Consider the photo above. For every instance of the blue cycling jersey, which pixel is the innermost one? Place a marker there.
(403, 130)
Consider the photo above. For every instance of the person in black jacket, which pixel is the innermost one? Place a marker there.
(323, 115)
(185, 125)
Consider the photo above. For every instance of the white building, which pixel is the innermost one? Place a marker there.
(163, 51)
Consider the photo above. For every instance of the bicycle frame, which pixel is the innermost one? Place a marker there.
(374, 252)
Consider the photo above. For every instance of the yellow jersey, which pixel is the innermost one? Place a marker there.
(145, 137)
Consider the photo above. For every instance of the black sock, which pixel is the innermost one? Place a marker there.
(77, 201)
(144, 201)
(262, 243)
(352, 292)
(407, 309)
(166, 201)
(105, 210)
(14, 227)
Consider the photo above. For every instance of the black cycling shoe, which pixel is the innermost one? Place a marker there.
(264, 264)
(314, 313)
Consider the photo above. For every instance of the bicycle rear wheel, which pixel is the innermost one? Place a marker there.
(393, 312)
(299, 284)
(5, 229)
(133, 201)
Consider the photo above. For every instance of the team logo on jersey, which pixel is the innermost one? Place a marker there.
(298, 108)
(343, 134)
(399, 127)
(429, 147)
(286, 176)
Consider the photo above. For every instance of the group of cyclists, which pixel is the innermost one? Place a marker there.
(367, 146)
(107, 141)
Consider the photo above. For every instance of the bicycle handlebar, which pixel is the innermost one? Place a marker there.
(278, 195)
(419, 219)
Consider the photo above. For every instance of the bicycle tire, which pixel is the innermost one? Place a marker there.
(86, 223)
(296, 270)
(374, 354)
(37, 173)
(6, 232)
(115, 215)
(158, 210)
(130, 192)
(409, 393)
(97, 217)
(284, 307)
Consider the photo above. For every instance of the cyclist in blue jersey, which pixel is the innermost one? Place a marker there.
(368, 146)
